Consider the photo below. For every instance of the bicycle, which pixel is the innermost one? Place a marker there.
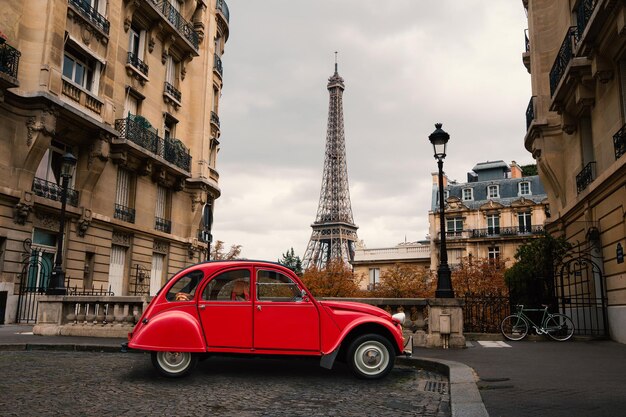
(556, 325)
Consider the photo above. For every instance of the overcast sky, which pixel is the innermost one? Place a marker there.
(407, 64)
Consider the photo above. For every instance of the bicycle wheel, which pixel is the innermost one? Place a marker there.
(514, 327)
(559, 327)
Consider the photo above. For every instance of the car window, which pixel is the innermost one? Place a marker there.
(229, 286)
(274, 286)
(185, 287)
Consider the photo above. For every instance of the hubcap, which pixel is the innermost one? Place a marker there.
(174, 362)
(371, 358)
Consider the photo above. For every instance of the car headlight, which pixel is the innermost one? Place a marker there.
(399, 317)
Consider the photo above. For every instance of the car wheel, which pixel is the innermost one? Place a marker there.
(174, 364)
(371, 356)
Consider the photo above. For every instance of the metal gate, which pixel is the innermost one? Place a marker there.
(580, 291)
(34, 279)
(483, 313)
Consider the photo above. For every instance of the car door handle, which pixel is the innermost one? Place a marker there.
(202, 307)
(258, 308)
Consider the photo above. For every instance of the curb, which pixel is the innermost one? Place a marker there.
(59, 347)
(465, 400)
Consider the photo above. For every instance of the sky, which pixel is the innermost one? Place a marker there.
(407, 64)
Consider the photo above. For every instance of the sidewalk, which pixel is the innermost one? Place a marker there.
(21, 337)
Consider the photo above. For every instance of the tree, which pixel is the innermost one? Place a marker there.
(479, 276)
(218, 251)
(531, 278)
(404, 281)
(292, 261)
(335, 280)
(529, 170)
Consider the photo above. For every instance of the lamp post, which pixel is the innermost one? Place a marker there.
(439, 139)
(57, 278)
(207, 223)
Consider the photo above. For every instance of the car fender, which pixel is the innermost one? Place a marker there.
(397, 339)
(170, 330)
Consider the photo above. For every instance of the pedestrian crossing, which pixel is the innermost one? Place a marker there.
(489, 344)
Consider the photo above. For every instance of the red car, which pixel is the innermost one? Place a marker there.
(261, 308)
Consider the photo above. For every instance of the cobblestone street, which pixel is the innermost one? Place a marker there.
(99, 384)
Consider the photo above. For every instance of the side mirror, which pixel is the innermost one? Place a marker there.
(304, 295)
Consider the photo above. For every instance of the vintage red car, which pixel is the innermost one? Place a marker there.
(261, 308)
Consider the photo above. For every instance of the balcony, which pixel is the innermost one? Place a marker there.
(619, 142)
(84, 9)
(176, 153)
(496, 231)
(172, 94)
(9, 62)
(586, 176)
(526, 54)
(82, 96)
(563, 58)
(53, 191)
(530, 112)
(163, 225)
(182, 26)
(124, 213)
(139, 131)
(222, 11)
(583, 14)
(217, 65)
(215, 119)
(135, 67)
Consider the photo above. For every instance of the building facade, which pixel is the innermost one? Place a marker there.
(372, 263)
(489, 216)
(576, 131)
(131, 89)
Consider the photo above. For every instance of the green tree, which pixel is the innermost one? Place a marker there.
(529, 170)
(292, 261)
(531, 278)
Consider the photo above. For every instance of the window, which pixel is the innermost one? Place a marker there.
(229, 286)
(123, 194)
(493, 191)
(185, 287)
(156, 273)
(136, 42)
(524, 188)
(524, 220)
(374, 278)
(468, 194)
(493, 224)
(131, 104)
(171, 74)
(274, 286)
(49, 168)
(116, 269)
(454, 226)
(494, 252)
(41, 259)
(161, 210)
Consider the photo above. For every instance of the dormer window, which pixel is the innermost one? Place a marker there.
(468, 194)
(524, 188)
(493, 191)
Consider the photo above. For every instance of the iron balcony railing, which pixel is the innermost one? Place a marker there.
(91, 14)
(138, 130)
(175, 152)
(215, 119)
(530, 112)
(223, 7)
(9, 59)
(124, 213)
(583, 14)
(586, 176)
(217, 64)
(619, 142)
(179, 22)
(134, 60)
(173, 91)
(163, 225)
(54, 191)
(526, 41)
(563, 58)
(507, 231)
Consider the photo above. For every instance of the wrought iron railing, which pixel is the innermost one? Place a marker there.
(564, 56)
(507, 231)
(215, 119)
(163, 225)
(619, 142)
(91, 14)
(175, 152)
(583, 14)
(530, 112)
(124, 213)
(586, 176)
(134, 60)
(172, 91)
(223, 7)
(483, 313)
(9, 60)
(217, 64)
(138, 130)
(53, 191)
(179, 22)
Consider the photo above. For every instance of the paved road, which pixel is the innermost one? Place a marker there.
(544, 378)
(114, 384)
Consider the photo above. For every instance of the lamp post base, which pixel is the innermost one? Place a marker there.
(57, 283)
(444, 282)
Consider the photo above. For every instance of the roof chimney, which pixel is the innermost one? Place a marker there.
(516, 170)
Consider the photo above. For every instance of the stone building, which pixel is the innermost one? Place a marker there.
(131, 89)
(490, 215)
(576, 131)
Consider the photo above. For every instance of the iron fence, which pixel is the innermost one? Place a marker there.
(179, 22)
(619, 142)
(139, 131)
(583, 14)
(91, 14)
(564, 56)
(585, 176)
(9, 60)
(483, 313)
(53, 191)
(134, 60)
(124, 213)
(175, 152)
(173, 91)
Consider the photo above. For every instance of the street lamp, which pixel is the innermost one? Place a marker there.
(439, 139)
(57, 278)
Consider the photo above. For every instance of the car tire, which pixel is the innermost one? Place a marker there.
(371, 356)
(174, 364)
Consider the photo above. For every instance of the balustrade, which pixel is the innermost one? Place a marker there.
(563, 58)
(586, 176)
(619, 142)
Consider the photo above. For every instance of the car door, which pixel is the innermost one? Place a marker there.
(283, 319)
(225, 310)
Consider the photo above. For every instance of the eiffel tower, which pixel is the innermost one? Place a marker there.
(334, 232)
